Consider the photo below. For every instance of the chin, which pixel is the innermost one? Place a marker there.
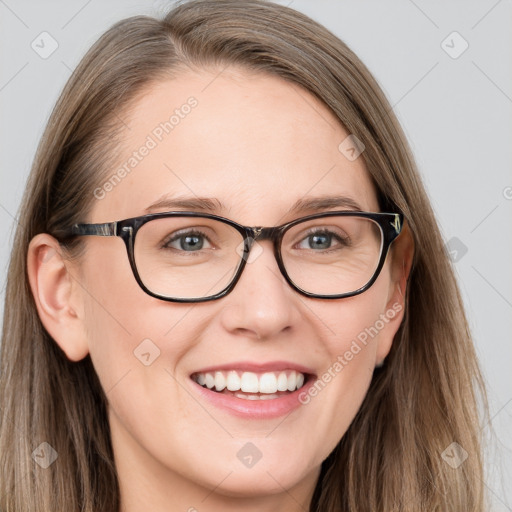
(248, 483)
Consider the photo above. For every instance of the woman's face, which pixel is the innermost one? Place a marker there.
(257, 144)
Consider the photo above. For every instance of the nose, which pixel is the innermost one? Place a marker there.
(262, 304)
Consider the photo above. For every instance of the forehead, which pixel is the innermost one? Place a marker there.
(255, 142)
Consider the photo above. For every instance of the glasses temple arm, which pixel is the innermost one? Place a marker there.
(106, 229)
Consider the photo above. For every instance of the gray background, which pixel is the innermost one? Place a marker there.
(456, 109)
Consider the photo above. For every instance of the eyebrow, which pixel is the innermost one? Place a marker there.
(203, 204)
(212, 204)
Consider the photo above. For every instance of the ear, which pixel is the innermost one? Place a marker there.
(56, 295)
(402, 254)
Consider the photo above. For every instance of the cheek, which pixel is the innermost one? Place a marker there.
(354, 328)
(355, 325)
(127, 329)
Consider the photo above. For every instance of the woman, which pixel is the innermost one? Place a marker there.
(165, 349)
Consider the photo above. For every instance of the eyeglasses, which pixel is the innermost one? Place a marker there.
(197, 257)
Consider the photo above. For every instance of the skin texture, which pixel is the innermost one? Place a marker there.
(258, 144)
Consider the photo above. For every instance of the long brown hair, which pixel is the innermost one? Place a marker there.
(421, 401)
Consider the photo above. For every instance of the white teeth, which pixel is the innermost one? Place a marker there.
(220, 381)
(256, 397)
(292, 381)
(249, 383)
(282, 382)
(267, 397)
(268, 383)
(247, 397)
(233, 381)
(209, 380)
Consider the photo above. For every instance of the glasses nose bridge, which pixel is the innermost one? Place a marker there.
(264, 233)
(261, 233)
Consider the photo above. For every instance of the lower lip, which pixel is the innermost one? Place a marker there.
(255, 409)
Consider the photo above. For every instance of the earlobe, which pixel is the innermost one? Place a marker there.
(391, 321)
(57, 300)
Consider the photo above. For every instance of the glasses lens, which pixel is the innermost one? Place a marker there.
(187, 257)
(332, 255)
(197, 257)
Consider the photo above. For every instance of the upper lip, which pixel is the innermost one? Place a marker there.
(258, 367)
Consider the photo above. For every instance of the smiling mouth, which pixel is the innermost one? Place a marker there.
(252, 385)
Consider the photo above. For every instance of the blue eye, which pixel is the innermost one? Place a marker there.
(323, 239)
(320, 240)
(189, 241)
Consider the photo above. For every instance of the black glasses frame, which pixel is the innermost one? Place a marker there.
(390, 224)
